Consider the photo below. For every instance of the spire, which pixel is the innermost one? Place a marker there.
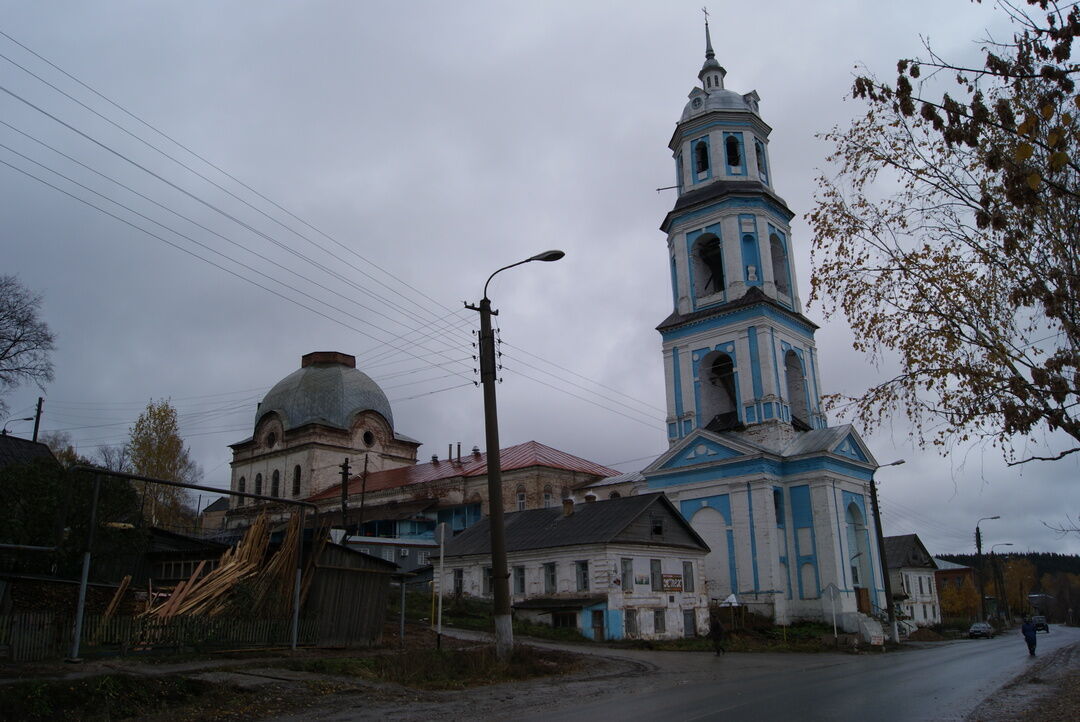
(712, 73)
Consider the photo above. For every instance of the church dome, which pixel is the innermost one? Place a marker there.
(327, 389)
(721, 99)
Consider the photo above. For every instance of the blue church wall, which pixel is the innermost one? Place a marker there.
(762, 159)
(733, 568)
(753, 537)
(676, 380)
(849, 448)
(750, 253)
(859, 500)
(711, 210)
(810, 400)
(758, 465)
(749, 314)
(781, 525)
(691, 456)
(802, 517)
(674, 285)
(720, 502)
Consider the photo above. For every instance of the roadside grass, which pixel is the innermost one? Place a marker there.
(106, 697)
(433, 669)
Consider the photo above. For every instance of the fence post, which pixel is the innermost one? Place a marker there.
(296, 584)
(80, 608)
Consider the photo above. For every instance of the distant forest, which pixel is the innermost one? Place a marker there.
(1045, 562)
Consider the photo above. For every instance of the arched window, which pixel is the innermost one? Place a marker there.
(296, 480)
(241, 486)
(275, 483)
(718, 398)
(795, 378)
(701, 157)
(780, 269)
(614, 495)
(731, 151)
(708, 81)
(258, 483)
(708, 266)
(520, 498)
(762, 164)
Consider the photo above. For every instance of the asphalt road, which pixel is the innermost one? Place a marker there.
(938, 681)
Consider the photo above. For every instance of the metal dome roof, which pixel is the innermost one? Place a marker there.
(717, 100)
(328, 389)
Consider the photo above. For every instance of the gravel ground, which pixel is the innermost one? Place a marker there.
(1049, 691)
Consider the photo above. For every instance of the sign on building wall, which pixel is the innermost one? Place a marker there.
(672, 582)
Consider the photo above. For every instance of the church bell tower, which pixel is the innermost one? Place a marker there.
(738, 353)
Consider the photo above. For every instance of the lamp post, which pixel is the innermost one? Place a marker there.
(504, 631)
(999, 582)
(893, 631)
(982, 581)
(3, 432)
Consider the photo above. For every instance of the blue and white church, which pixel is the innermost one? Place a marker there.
(781, 497)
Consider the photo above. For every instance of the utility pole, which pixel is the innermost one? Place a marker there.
(344, 493)
(363, 493)
(982, 573)
(504, 629)
(894, 633)
(37, 417)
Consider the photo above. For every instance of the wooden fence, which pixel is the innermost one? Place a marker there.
(35, 636)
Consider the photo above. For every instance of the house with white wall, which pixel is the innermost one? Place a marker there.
(911, 572)
(629, 567)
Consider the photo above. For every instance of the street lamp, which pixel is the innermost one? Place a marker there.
(882, 561)
(504, 630)
(3, 432)
(982, 582)
(999, 583)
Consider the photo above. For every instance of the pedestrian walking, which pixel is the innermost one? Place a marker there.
(716, 634)
(1028, 630)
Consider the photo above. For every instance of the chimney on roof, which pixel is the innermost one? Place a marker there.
(567, 507)
(434, 458)
(459, 451)
(327, 357)
(590, 498)
(476, 451)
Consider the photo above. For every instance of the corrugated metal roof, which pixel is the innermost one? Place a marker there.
(521, 456)
(817, 440)
(598, 522)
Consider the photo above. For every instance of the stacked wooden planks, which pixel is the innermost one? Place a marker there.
(243, 576)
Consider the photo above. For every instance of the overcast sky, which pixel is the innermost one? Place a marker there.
(394, 155)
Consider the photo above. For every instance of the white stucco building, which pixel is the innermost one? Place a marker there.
(628, 567)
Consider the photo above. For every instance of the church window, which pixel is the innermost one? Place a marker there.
(762, 163)
(258, 483)
(718, 398)
(780, 266)
(296, 480)
(708, 265)
(796, 391)
(701, 157)
(369, 438)
(275, 483)
(241, 486)
(732, 152)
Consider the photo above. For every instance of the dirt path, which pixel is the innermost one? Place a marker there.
(1049, 691)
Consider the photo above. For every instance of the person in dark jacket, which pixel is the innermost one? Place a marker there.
(716, 634)
(1028, 630)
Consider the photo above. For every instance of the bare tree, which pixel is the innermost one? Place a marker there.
(25, 340)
